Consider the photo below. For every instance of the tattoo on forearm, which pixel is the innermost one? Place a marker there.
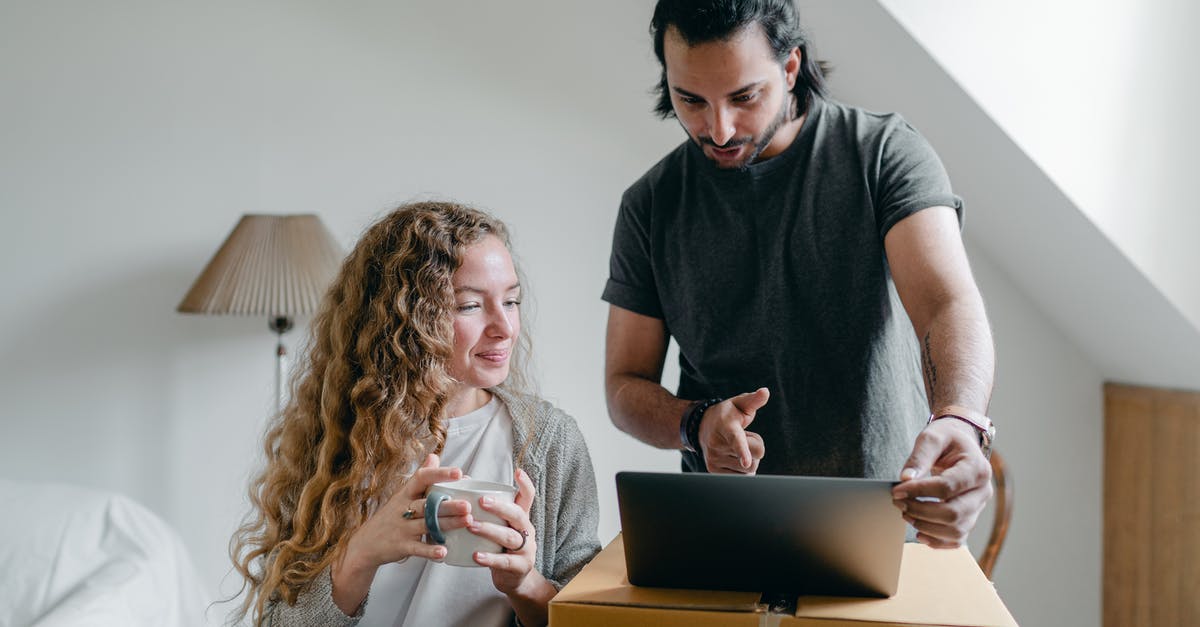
(930, 369)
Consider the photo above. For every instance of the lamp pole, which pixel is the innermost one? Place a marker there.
(272, 266)
(280, 325)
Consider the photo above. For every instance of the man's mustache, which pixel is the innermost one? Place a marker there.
(733, 143)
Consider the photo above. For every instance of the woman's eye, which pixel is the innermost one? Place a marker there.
(468, 307)
(512, 303)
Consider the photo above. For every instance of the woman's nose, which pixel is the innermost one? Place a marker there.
(499, 325)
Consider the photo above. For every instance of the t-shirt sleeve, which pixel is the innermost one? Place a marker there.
(911, 177)
(630, 271)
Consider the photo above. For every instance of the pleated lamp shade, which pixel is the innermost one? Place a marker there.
(270, 265)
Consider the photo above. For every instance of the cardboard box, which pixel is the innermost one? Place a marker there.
(937, 587)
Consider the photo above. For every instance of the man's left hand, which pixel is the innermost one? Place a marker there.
(945, 484)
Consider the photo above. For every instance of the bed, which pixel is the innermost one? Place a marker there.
(71, 556)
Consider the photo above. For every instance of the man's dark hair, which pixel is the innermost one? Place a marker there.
(703, 21)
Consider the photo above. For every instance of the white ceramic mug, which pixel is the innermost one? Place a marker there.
(461, 544)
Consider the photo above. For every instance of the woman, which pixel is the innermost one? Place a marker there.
(407, 383)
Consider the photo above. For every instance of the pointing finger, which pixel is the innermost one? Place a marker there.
(741, 449)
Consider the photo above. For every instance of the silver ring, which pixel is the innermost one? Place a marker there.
(524, 538)
(410, 513)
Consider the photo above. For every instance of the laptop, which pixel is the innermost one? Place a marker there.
(803, 535)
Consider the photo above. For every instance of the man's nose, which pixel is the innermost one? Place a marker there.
(720, 125)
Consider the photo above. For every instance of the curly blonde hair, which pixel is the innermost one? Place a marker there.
(369, 402)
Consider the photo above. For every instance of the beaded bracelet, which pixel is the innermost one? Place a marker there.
(689, 423)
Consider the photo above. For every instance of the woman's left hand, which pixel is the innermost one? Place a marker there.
(513, 569)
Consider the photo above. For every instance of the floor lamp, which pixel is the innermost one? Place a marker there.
(277, 266)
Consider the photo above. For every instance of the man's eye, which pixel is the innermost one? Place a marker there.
(744, 97)
(689, 100)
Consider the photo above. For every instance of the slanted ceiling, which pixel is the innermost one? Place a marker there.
(1015, 214)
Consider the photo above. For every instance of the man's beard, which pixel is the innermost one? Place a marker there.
(785, 116)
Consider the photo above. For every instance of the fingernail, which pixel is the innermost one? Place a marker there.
(473, 526)
(899, 496)
(486, 500)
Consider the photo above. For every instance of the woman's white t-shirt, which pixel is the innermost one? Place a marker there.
(420, 592)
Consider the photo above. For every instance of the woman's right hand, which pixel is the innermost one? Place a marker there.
(388, 536)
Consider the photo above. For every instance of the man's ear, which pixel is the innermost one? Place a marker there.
(791, 67)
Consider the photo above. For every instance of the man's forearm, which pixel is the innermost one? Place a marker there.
(957, 357)
(646, 410)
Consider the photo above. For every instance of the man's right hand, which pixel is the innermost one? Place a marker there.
(726, 445)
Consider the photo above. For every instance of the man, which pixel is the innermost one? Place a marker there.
(782, 245)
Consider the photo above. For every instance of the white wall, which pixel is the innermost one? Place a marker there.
(1046, 406)
(1100, 95)
(133, 136)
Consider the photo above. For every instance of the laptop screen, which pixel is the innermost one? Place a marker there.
(807, 535)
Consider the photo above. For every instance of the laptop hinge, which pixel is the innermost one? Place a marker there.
(780, 602)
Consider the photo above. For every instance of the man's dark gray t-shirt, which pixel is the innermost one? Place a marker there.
(776, 276)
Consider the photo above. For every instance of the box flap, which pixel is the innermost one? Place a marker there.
(604, 581)
(937, 587)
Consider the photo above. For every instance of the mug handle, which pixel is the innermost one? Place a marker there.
(432, 502)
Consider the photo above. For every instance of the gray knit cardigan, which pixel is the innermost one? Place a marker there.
(565, 513)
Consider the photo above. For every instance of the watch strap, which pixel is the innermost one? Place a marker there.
(976, 419)
(983, 425)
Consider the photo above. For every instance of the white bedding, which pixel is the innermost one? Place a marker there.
(75, 557)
